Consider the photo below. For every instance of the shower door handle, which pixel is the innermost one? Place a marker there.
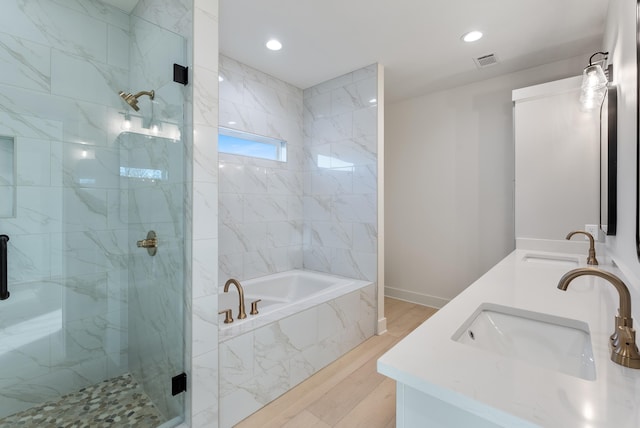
(4, 291)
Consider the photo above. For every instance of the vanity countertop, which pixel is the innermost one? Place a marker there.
(509, 392)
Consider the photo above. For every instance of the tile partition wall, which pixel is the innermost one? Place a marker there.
(260, 200)
(340, 175)
(197, 22)
(201, 332)
(62, 65)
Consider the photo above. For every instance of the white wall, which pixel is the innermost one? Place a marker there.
(449, 184)
(557, 161)
(620, 41)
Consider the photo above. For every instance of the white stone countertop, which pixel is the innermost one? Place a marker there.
(511, 392)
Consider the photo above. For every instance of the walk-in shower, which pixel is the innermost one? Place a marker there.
(93, 329)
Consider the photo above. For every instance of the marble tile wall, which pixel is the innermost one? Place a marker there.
(202, 217)
(260, 201)
(65, 324)
(340, 175)
(7, 179)
(258, 366)
(336, 181)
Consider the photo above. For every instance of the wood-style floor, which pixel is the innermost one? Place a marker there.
(349, 392)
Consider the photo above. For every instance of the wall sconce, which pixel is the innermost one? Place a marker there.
(594, 82)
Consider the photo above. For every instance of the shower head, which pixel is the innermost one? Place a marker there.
(132, 100)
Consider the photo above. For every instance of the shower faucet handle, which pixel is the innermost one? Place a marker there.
(147, 243)
(254, 307)
(150, 243)
(228, 318)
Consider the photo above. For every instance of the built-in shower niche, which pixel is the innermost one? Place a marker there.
(152, 184)
(7, 177)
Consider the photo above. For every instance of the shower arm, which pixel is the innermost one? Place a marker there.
(151, 94)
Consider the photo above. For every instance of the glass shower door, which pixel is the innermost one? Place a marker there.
(86, 304)
(152, 168)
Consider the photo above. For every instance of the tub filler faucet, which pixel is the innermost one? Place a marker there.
(623, 340)
(241, 314)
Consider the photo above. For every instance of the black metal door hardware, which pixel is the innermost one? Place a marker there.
(4, 291)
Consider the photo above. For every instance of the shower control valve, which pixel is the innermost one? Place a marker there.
(151, 243)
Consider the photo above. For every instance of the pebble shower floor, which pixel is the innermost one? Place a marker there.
(118, 402)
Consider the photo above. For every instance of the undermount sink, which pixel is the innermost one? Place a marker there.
(543, 340)
(568, 261)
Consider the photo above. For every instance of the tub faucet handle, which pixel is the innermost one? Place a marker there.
(228, 318)
(254, 307)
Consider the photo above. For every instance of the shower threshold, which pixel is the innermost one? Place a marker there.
(117, 402)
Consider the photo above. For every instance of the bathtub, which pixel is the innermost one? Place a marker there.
(281, 294)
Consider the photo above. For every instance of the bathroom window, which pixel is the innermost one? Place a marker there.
(243, 143)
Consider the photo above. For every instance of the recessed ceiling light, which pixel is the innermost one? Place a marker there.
(220, 78)
(373, 100)
(472, 36)
(231, 122)
(274, 45)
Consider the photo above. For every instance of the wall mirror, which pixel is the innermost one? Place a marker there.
(609, 160)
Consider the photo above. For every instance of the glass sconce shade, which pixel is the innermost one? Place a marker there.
(594, 86)
(593, 77)
(592, 98)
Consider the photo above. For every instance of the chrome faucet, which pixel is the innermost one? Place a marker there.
(591, 259)
(623, 341)
(241, 314)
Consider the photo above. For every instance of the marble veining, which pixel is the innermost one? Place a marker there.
(260, 363)
(170, 14)
(340, 200)
(259, 199)
(52, 24)
(27, 64)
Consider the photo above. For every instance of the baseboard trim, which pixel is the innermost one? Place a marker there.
(417, 298)
(382, 326)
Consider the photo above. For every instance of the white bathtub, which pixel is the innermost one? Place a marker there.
(282, 294)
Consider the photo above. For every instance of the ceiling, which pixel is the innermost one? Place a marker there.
(417, 41)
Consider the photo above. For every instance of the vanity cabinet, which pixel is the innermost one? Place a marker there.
(442, 382)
